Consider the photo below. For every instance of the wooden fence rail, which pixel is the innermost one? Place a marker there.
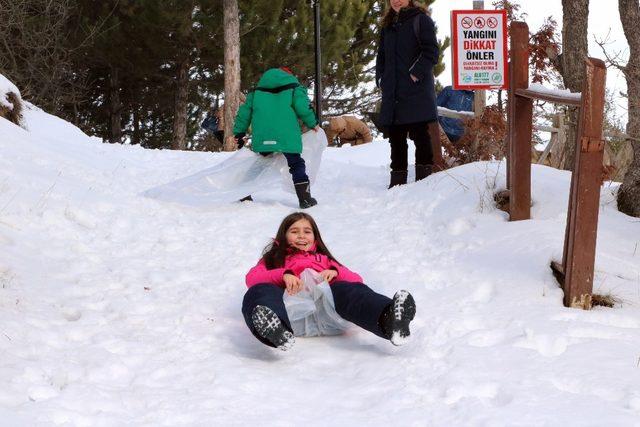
(575, 274)
(578, 259)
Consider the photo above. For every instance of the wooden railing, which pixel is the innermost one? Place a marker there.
(575, 273)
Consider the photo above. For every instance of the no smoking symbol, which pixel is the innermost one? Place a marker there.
(479, 22)
(492, 22)
(467, 22)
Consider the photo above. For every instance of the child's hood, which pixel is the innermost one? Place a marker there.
(275, 77)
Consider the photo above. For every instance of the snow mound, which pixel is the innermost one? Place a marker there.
(10, 101)
(6, 87)
(116, 309)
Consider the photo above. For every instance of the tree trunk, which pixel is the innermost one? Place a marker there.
(115, 108)
(629, 193)
(575, 16)
(135, 138)
(180, 107)
(231, 70)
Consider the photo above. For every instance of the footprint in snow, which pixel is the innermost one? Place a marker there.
(459, 226)
(546, 345)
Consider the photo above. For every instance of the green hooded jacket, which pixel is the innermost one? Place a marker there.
(273, 109)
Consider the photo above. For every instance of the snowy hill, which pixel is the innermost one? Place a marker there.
(116, 309)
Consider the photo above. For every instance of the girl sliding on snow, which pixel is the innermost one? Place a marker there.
(299, 246)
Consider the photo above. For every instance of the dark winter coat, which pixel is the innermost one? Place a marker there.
(402, 52)
(211, 123)
(457, 100)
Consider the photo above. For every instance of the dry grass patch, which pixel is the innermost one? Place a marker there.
(14, 115)
(606, 300)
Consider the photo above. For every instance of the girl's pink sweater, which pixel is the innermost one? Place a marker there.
(297, 262)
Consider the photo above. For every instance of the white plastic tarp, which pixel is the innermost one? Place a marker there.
(312, 311)
(242, 174)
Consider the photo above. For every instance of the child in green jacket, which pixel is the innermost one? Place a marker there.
(273, 109)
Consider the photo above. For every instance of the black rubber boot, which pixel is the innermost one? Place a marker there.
(269, 327)
(423, 171)
(304, 195)
(398, 178)
(395, 320)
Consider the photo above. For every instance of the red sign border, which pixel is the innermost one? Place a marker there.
(454, 50)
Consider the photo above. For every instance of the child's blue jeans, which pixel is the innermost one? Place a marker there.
(297, 167)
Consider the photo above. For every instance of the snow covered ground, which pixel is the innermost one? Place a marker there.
(120, 310)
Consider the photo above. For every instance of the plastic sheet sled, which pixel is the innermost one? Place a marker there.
(312, 311)
(242, 174)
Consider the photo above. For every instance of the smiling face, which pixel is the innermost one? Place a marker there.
(300, 235)
(398, 4)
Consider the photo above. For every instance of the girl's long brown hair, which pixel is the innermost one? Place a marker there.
(276, 252)
(390, 14)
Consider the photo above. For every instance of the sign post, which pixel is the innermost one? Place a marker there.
(479, 49)
(480, 98)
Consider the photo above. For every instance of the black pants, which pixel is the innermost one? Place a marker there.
(354, 302)
(269, 295)
(419, 133)
(219, 136)
(297, 167)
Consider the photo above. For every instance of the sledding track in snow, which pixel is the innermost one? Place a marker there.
(120, 310)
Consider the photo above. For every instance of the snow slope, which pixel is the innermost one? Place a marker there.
(116, 309)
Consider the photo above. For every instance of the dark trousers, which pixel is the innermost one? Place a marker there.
(359, 304)
(354, 302)
(219, 136)
(269, 295)
(419, 133)
(297, 167)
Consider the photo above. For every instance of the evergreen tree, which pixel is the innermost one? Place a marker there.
(155, 67)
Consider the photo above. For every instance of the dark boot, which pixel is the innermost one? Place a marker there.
(395, 320)
(423, 171)
(246, 199)
(268, 325)
(304, 195)
(398, 178)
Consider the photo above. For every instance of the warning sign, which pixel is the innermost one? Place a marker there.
(479, 49)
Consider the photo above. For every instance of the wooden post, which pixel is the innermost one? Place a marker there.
(562, 140)
(519, 126)
(547, 150)
(507, 139)
(584, 199)
(552, 146)
(479, 96)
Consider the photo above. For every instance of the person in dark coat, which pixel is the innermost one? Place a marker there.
(214, 124)
(456, 100)
(407, 53)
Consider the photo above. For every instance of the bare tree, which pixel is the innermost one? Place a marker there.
(34, 53)
(629, 193)
(181, 105)
(570, 63)
(115, 107)
(231, 69)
